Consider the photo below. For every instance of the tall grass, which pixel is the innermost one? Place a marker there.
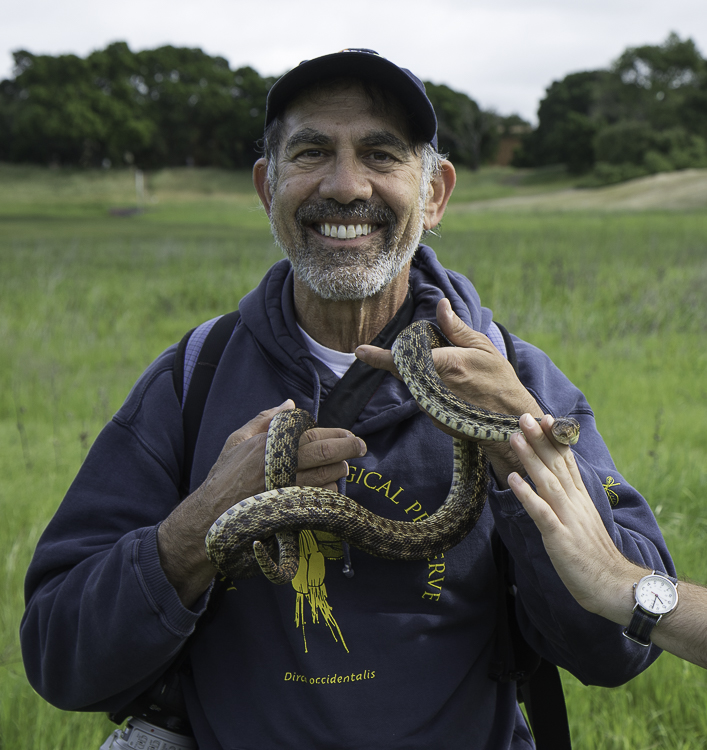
(86, 301)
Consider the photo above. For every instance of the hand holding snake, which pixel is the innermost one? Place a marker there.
(477, 373)
(246, 532)
(238, 473)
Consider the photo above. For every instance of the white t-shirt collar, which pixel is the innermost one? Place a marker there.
(337, 362)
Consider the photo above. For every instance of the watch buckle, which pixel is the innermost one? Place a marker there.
(625, 633)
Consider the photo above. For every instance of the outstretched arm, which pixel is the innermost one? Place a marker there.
(594, 571)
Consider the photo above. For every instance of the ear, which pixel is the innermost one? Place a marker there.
(262, 186)
(440, 191)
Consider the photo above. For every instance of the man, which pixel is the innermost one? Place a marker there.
(398, 655)
(584, 555)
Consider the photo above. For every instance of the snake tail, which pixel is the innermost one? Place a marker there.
(285, 570)
(284, 432)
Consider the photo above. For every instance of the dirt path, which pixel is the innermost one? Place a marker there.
(672, 191)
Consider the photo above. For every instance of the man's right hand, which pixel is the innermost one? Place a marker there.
(239, 472)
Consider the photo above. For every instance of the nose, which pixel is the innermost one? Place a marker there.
(345, 181)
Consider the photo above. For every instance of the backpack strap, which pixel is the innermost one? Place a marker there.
(192, 381)
(545, 703)
(508, 343)
(353, 391)
(193, 370)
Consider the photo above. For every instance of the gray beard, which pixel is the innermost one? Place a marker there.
(341, 275)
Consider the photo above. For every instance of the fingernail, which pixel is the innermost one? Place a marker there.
(364, 448)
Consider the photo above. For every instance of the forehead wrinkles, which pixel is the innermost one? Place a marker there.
(364, 98)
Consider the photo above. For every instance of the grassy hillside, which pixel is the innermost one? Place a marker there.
(87, 298)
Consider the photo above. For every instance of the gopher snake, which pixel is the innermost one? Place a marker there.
(247, 537)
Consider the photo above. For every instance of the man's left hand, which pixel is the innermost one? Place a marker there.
(475, 371)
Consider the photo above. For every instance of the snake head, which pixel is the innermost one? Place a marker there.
(565, 430)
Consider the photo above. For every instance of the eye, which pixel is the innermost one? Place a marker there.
(381, 159)
(310, 153)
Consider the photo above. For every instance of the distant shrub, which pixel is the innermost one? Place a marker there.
(631, 149)
(605, 173)
(626, 142)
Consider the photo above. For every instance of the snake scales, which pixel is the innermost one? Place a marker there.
(250, 535)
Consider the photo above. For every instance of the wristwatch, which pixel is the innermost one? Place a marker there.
(656, 596)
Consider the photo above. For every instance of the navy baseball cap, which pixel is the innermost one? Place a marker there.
(364, 64)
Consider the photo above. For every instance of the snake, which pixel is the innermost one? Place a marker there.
(260, 533)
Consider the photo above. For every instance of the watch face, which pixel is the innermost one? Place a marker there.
(656, 594)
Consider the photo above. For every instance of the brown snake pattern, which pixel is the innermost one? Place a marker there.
(250, 535)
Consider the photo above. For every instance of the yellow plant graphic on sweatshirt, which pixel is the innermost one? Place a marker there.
(613, 497)
(309, 585)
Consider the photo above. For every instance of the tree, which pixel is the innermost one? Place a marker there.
(567, 124)
(168, 106)
(652, 99)
(61, 109)
(464, 131)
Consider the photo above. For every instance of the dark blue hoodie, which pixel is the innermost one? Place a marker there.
(395, 657)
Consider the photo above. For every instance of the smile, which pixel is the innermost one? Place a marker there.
(345, 231)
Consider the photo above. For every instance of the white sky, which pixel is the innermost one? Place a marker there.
(502, 53)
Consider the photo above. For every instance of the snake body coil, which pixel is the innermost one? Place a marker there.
(251, 534)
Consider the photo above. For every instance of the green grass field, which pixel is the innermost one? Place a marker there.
(87, 299)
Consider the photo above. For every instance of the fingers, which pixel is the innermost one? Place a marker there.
(376, 357)
(457, 331)
(554, 470)
(544, 516)
(240, 469)
(324, 454)
(543, 457)
(258, 424)
(545, 463)
(564, 451)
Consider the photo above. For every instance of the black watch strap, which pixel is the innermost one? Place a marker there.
(641, 626)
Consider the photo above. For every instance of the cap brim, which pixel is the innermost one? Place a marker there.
(362, 65)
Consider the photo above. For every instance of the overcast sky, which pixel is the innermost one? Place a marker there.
(502, 53)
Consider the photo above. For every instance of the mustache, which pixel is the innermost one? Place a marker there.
(319, 211)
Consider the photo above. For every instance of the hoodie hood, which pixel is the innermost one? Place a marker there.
(268, 312)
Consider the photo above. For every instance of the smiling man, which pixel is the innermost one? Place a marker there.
(398, 655)
(353, 204)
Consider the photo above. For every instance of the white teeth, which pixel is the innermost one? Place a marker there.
(344, 232)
